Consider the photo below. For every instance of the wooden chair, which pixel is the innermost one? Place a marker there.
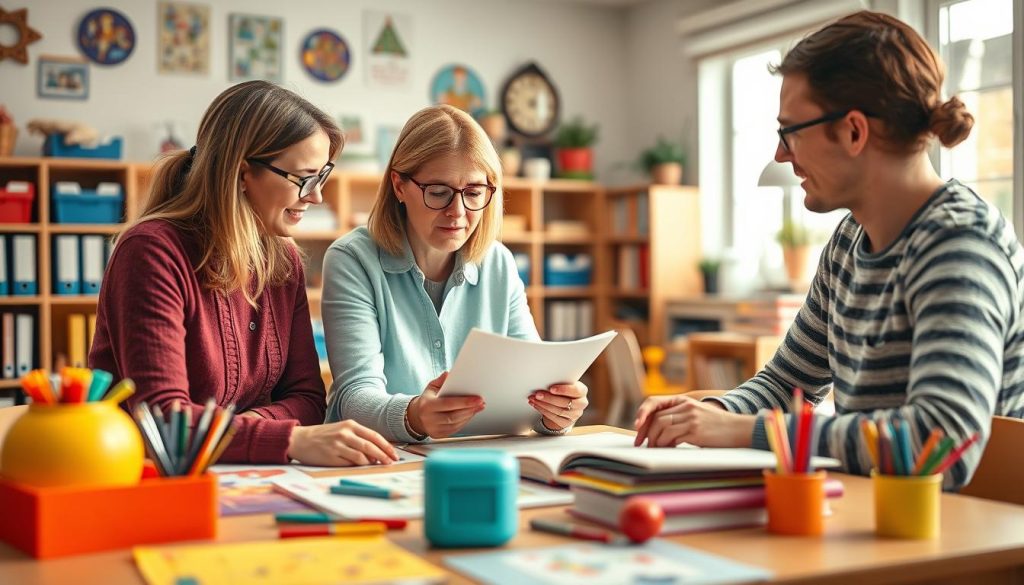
(1000, 475)
(627, 377)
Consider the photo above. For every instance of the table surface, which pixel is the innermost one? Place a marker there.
(977, 536)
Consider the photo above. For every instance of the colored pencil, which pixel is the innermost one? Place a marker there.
(955, 455)
(335, 529)
(870, 433)
(926, 451)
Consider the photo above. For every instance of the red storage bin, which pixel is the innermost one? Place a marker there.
(16, 202)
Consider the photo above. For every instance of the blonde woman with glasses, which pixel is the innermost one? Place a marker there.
(401, 295)
(205, 297)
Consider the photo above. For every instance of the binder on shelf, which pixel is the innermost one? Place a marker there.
(9, 367)
(24, 350)
(66, 279)
(92, 333)
(4, 288)
(93, 255)
(76, 340)
(24, 264)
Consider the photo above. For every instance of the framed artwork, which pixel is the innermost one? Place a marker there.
(388, 52)
(325, 55)
(63, 78)
(254, 47)
(106, 36)
(352, 125)
(183, 38)
(459, 86)
(24, 35)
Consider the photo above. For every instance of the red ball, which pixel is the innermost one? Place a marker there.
(641, 519)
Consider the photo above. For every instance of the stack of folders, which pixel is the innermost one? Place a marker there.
(78, 263)
(17, 344)
(175, 447)
(81, 330)
(691, 501)
(18, 265)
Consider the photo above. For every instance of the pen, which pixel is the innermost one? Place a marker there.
(320, 518)
(576, 531)
(366, 491)
(100, 382)
(124, 389)
(336, 529)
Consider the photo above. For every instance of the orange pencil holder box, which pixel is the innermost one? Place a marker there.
(60, 521)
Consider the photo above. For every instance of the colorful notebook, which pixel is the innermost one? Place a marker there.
(689, 511)
(657, 561)
(306, 561)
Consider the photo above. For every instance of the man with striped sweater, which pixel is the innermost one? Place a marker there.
(915, 312)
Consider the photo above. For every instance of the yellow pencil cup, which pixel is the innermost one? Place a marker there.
(907, 506)
(88, 444)
(796, 503)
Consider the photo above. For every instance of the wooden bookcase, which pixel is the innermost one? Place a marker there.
(556, 216)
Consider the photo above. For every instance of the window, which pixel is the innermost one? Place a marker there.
(975, 40)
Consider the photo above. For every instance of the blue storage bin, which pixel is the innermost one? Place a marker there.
(54, 145)
(523, 266)
(319, 340)
(72, 204)
(567, 269)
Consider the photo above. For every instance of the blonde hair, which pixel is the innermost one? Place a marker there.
(431, 133)
(199, 192)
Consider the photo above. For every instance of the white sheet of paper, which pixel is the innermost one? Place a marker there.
(505, 371)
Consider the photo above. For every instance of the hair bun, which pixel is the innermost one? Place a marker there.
(951, 122)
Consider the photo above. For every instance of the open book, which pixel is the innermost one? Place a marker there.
(504, 371)
(544, 458)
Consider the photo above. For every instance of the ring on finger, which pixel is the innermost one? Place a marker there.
(569, 405)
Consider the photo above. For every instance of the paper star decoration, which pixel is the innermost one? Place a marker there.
(19, 50)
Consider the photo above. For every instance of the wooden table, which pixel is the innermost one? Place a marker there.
(982, 543)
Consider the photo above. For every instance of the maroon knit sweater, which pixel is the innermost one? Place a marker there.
(158, 325)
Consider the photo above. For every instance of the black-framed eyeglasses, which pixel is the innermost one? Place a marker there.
(439, 196)
(306, 185)
(829, 117)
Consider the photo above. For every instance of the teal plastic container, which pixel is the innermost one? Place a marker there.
(470, 497)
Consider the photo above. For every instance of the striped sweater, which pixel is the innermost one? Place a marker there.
(928, 331)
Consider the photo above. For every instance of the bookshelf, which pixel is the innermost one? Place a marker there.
(556, 217)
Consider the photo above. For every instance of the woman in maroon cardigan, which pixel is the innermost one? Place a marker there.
(205, 296)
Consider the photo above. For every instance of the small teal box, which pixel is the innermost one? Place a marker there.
(470, 497)
(54, 146)
(567, 269)
(72, 204)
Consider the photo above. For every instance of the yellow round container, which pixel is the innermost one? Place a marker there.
(88, 444)
(907, 506)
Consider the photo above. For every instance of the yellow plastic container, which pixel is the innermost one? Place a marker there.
(796, 503)
(90, 444)
(907, 506)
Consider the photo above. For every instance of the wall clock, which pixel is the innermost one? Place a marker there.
(530, 102)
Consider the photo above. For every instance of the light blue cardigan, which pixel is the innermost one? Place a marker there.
(385, 340)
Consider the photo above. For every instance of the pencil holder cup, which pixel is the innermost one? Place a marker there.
(796, 503)
(470, 497)
(73, 445)
(907, 506)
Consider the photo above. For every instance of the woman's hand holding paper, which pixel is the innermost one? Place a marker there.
(561, 405)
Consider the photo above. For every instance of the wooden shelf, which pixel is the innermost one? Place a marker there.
(7, 384)
(314, 294)
(20, 228)
(84, 228)
(9, 301)
(74, 299)
(625, 293)
(518, 238)
(565, 292)
(570, 239)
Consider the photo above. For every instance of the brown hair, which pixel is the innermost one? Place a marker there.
(199, 192)
(878, 64)
(432, 132)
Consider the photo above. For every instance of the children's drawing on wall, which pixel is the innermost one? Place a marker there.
(254, 48)
(458, 86)
(184, 38)
(325, 55)
(388, 53)
(106, 36)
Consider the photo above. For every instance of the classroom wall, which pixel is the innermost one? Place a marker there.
(581, 46)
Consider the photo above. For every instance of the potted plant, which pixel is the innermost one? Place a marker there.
(709, 269)
(575, 156)
(796, 243)
(664, 162)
